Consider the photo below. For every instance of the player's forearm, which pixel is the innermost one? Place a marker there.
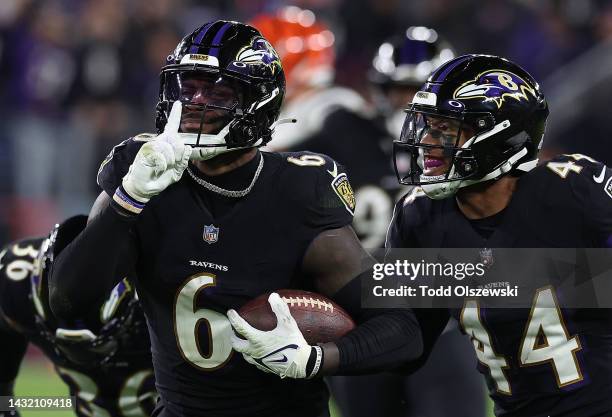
(383, 340)
(88, 268)
(381, 343)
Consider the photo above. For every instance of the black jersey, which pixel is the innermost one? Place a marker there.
(363, 146)
(537, 362)
(124, 386)
(200, 254)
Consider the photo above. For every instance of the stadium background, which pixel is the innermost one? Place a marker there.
(78, 76)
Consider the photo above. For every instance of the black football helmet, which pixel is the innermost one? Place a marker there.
(242, 80)
(477, 118)
(407, 60)
(93, 340)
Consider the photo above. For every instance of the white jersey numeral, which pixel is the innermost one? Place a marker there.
(545, 341)
(307, 160)
(472, 324)
(188, 319)
(563, 169)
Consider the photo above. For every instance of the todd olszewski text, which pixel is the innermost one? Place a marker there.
(445, 291)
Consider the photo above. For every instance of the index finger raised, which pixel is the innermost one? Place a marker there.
(174, 119)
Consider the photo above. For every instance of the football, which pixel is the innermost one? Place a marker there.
(319, 319)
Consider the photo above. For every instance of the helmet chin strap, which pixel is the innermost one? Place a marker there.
(209, 152)
(81, 335)
(203, 154)
(441, 190)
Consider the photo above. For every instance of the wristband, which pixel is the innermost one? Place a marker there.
(127, 203)
(315, 362)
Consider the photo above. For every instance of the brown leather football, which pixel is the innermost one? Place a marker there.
(320, 319)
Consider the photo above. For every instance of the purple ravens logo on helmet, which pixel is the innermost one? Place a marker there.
(495, 85)
(260, 51)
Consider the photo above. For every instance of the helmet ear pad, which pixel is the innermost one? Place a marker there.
(247, 131)
(465, 167)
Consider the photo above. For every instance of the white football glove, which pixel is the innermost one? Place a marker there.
(159, 162)
(282, 351)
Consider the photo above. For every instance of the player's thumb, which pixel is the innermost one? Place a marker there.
(280, 309)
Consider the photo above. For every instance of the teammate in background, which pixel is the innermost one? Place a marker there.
(362, 141)
(205, 236)
(364, 145)
(103, 357)
(306, 47)
(470, 144)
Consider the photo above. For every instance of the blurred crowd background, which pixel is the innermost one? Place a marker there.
(79, 76)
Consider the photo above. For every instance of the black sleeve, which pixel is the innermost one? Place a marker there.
(432, 321)
(89, 267)
(384, 339)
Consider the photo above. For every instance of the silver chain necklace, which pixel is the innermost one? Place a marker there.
(223, 191)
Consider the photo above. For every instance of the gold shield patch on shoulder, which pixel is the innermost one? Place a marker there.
(343, 189)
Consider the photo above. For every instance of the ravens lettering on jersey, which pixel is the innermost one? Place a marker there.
(206, 253)
(564, 203)
(103, 358)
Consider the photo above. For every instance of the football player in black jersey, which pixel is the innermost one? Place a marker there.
(470, 144)
(363, 144)
(104, 357)
(207, 222)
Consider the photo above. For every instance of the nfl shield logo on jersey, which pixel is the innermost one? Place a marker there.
(486, 257)
(211, 234)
